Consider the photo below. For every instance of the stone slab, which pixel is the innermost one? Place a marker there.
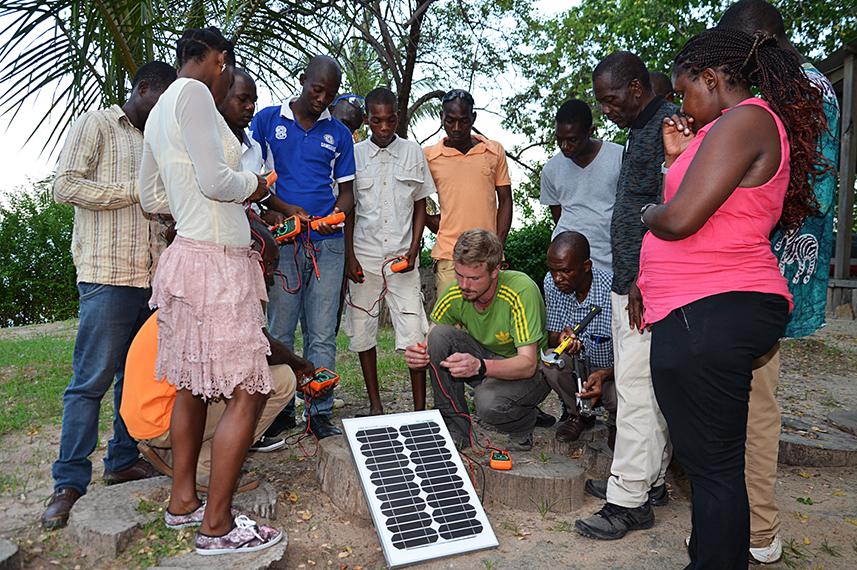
(105, 519)
(575, 448)
(825, 446)
(338, 478)
(537, 481)
(10, 556)
(249, 561)
(843, 421)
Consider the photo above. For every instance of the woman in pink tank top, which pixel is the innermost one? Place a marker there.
(712, 290)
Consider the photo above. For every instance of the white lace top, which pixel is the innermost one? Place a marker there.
(189, 167)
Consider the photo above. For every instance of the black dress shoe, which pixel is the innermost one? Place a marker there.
(544, 420)
(140, 470)
(281, 423)
(59, 508)
(322, 428)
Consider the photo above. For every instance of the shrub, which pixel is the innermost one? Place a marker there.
(526, 249)
(37, 275)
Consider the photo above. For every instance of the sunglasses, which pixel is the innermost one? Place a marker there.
(457, 94)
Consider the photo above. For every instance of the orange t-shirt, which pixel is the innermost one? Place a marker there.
(466, 189)
(147, 405)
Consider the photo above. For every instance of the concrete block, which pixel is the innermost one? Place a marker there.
(800, 445)
(10, 556)
(843, 421)
(338, 477)
(533, 484)
(105, 520)
(249, 561)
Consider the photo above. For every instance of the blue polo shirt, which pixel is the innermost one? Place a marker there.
(308, 163)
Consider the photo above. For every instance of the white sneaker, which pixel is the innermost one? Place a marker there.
(769, 554)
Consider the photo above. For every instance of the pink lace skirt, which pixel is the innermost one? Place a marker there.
(210, 320)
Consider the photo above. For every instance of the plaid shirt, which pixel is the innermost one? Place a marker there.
(563, 310)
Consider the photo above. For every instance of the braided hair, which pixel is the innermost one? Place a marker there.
(196, 42)
(758, 61)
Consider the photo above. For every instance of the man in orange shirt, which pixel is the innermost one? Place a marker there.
(473, 185)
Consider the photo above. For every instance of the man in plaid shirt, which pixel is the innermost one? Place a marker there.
(572, 288)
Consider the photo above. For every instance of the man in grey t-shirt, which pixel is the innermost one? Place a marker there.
(579, 183)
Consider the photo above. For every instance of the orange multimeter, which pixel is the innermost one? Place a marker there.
(270, 177)
(322, 379)
(330, 220)
(289, 228)
(400, 264)
(501, 460)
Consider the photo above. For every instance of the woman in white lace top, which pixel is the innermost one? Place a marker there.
(207, 288)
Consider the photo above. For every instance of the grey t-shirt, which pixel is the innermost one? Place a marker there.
(586, 196)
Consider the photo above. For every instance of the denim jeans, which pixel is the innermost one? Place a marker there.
(315, 304)
(109, 318)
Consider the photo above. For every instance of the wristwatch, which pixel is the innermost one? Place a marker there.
(643, 211)
(482, 368)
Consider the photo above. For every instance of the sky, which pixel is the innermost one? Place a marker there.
(21, 159)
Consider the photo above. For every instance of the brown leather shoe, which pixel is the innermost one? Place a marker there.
(140, 470)
(571, 430)
(59, 508)
(151, 455)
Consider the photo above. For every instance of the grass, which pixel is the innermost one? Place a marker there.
(33, 374)
(156, 541)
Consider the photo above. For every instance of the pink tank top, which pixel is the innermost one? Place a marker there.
(731, 252)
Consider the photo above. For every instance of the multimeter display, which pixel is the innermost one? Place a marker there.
(323, 378)
(289, 228)
(501, 461)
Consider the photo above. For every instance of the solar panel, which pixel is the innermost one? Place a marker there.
(422, 501)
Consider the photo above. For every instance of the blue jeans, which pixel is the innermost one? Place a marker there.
(109, 318)
(315, 304)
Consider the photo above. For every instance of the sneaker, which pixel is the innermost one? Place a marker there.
(193, 518)
(769, 554)
(245, 536)
(613, 522)
(658, 496)
(524, 443)
(267, 444)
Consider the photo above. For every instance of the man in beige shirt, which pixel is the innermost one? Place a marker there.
(115, 246)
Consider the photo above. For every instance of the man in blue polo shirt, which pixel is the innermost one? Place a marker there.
(311, 152)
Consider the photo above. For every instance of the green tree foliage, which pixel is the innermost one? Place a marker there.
(37, 277)
(526, 250)
(419, 49)
(84, 53)
(560, 53)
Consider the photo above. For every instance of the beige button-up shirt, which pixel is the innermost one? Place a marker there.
(388, 182)
(114, 241)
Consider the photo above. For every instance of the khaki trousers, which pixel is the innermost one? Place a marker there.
(283, 393)
(444, 274)
(643, 449)
(762, 449)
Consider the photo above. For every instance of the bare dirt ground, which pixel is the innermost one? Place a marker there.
(818, 506)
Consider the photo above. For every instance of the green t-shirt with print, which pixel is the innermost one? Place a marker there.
(516, 317)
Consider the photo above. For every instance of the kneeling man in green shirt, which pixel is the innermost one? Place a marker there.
(504, 317)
